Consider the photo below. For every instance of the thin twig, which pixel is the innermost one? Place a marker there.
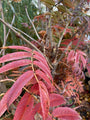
(33, 95)
(7, 80)
(81, 36)
(32, 23)
(2, 94)
(11, 25)
(4, 27)
(62, 35)
(59, 43)
(20, 36)
(56, 64)
(26, 35)
(63, 53)
(79, 107)
(9, 31)
(48, 29)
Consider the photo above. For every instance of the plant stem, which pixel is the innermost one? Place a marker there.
(4, 27)
(62, 35)
(26, 35)
(32, 23)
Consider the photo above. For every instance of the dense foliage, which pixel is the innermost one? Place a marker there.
(11, 8)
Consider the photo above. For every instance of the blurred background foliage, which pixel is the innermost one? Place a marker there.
(18, 8)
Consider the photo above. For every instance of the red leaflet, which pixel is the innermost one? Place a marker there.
(43, 68)
(61, 28)
(67, 41)
(14, 56)
(44, 97)
(32, 81)
(77, 56)
(18, 85)
(82, 53)
(19, 48)
(15, 91)
(44, 77)
(71, 56)
(3, 102)
(36, 109)
(41, 59)
(66, 113)
(56, 99)
(14, 64)
(49, 117)
(35, 89)
(40, 56)
(83, 61)
(24, 108)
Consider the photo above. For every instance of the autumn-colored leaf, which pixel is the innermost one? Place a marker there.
(83, 61)
(56, 99)
(40, 17)
(18, 48)
(24, 108)
(77, 57)
(42, 33)
(35, 89)
(14, 64)
(66, 113)
(3, 103)
(14, 56)
(49, 117)
(44, 97)
(80, 52)
(71, 56)
(15, 91)
(44, 77)
(19, 84)
(43, 67)
(36, 109)
(60, 28)
(40, 58)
